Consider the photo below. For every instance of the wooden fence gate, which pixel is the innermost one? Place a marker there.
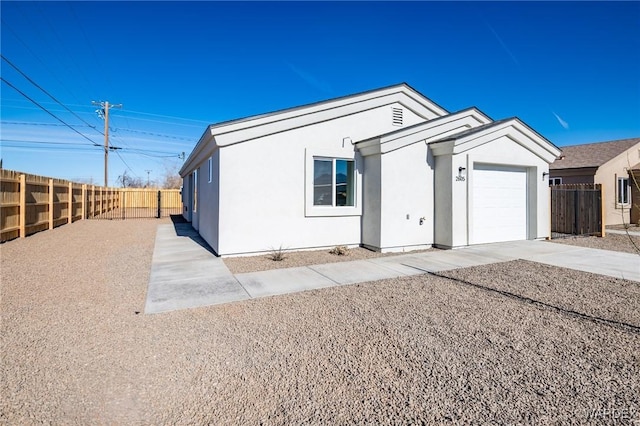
(576, 210)
(142, 203)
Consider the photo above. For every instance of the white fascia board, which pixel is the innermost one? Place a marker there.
(514, 129)
(252, 129)
(198, 152)
(438, 128)
(263, 125)
(434, 130)
(287, 114)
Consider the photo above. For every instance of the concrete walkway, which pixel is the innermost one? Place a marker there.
(186, 274)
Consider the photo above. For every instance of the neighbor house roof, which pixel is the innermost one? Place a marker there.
(591, 154)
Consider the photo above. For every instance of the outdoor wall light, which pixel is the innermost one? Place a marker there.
(461, 173)
(544, 175)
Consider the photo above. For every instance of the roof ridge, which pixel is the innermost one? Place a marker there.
(334, 99)
(473, 130)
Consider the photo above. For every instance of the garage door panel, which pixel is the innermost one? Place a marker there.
(499, 204)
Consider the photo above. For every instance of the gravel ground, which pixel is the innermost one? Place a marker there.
(631, 227)
(614, 242)
(516, 342)
(239, 265)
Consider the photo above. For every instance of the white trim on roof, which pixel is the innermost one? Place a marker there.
(243, 130)
(513, 128)
(431, 130)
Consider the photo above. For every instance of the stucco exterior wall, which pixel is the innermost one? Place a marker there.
(209, 201)
(443, 194)
(406, 197)
(263, 186)
(371, 213)
(607, 175)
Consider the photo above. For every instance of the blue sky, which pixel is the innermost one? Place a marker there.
(568, 69)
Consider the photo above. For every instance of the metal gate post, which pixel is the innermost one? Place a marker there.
(159, 201)
(123, 204)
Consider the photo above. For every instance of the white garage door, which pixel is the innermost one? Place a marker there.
(499, 204)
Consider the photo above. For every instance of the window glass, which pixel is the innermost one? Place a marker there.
(623, 191)
(333, 182)
(344, 183)
(555, 181)
(322, 182)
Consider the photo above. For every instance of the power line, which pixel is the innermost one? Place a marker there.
(166, 122)
(63, 46)
(48, 148)
(112, 148)
(44, 65)
(33, 123)
(47, 93)
(169, 116)
(48, 143)
(46, 110)
(138, 118)
(96, 58)
(156, 134)
(125, 163)
(15, 143)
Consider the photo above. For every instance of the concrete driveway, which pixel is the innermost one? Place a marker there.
(186, 274)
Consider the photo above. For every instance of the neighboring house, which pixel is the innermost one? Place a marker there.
(606, 163)
(387, 169)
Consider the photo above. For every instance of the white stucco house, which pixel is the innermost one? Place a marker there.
(386, 169)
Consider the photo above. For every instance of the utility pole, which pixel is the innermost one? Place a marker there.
(104, 114)
(148, 171)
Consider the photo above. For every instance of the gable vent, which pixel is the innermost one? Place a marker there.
(396, 116)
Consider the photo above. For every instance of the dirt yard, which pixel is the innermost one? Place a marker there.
(264, 262)
(516, 343)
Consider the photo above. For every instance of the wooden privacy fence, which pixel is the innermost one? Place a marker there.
(31, 203)
(144, 203)
(577, 210)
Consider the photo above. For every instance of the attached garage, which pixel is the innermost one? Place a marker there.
(491, 185)
(499, 204)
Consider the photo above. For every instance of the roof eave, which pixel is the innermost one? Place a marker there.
(206, 137)
(470, 139)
